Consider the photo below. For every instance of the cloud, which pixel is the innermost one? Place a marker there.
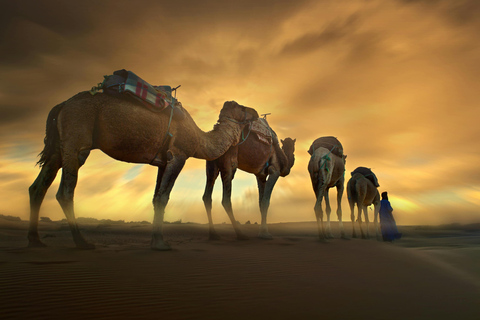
(395, 81)
(333, 32)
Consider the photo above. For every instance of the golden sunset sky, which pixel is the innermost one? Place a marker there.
(397, 82)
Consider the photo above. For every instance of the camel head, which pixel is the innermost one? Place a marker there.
(288, 147)
(237, 113)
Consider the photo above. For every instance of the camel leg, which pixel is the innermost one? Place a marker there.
(65, 193)
(365, 212)
(37, 193)
(328, 210)
(273, 176)
(212, 174)
(359, 218)
(352, 217)
(319, 192)
(228, 174)
(351, 203)
(340, 187)
(378, 234)
(165, 181)
(261, 182)
(319, 217)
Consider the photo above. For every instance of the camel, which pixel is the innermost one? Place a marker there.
(362, 191)
(267, 161)
(126, 131)
(327, 170)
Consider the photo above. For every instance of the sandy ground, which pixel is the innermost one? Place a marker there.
(431, 273)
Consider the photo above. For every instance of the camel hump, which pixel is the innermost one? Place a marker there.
(330, 143)
(367, 173)
(263, 131)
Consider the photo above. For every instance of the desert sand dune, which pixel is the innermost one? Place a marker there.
(429, 274)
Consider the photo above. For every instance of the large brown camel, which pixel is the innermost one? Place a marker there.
(362, 191)
(327, 170)
(267, 161)
(129, 132)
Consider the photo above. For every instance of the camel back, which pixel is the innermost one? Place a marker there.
(125, 83)
(262, 131)
(330, 143)
(367, 173)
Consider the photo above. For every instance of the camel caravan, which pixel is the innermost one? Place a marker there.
(133, 121)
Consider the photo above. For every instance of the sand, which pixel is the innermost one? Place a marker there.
(431, 273)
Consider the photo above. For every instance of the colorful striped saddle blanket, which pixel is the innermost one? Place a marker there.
(262, 130)
(155, 98)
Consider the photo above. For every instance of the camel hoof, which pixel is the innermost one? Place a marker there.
(330, 236)
(36, 244)
(265, 236)
(161, 246)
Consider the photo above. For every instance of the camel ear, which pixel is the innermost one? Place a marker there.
(281, 141)
(294, 140)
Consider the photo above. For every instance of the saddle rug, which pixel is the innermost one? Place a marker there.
(330, 143)
(155, 98)
(262, 130)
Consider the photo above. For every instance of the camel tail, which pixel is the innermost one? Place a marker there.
(315, 166)
(52, 138)
(318, 161)
(352, 190)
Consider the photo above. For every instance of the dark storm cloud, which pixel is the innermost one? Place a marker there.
(459, 12)
(312, 41)
(65, 18)
(464, 11)
(30, 28)
(49, 48)
(11, 113)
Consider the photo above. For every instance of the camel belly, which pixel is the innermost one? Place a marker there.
(253, 156)
(129, 134)
(252, 164)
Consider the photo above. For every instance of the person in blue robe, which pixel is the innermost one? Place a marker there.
(387, 222)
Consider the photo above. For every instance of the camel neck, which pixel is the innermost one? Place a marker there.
(284, 163)
(215, 143)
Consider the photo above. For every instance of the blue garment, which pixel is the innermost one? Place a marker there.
(387, 222)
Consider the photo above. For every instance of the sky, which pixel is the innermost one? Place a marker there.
(395, 81)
